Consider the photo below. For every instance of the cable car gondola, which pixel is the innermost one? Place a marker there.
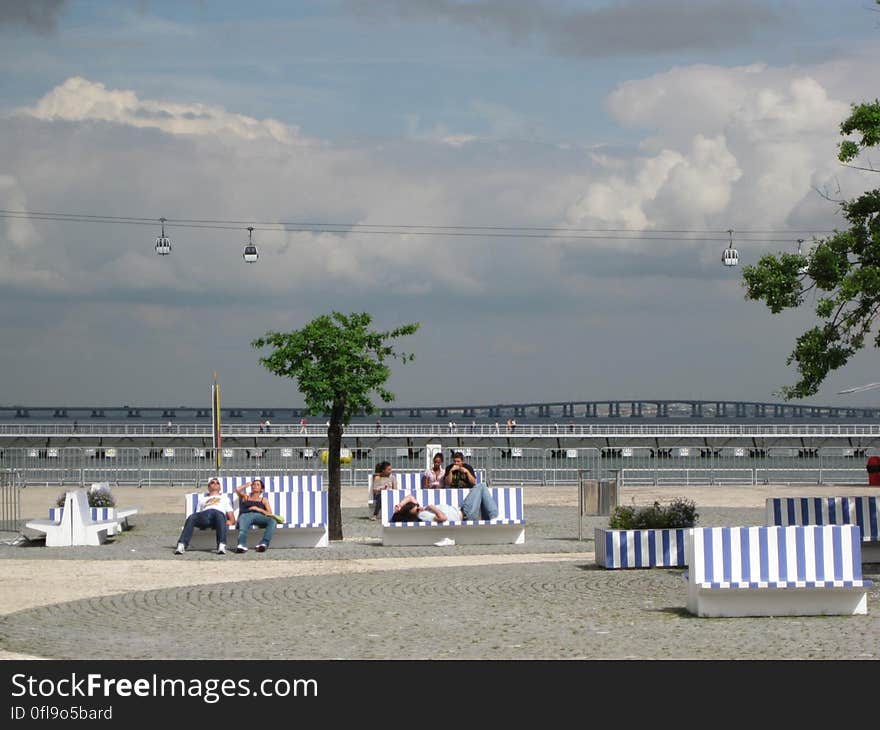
(250, 251)
(730, 256)
(801, 269)
(163, 244)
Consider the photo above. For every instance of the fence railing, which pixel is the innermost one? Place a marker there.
(319, 431)
(10, 501)
(176, 465)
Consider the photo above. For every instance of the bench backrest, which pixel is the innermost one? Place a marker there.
(304, 507)
(731, 557)
(509, 500)
(275, 483)
(861, 511)
(413, 479)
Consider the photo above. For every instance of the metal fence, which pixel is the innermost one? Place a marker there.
(145, 466)
(10, 501)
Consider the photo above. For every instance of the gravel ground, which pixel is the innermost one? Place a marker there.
(355, 599)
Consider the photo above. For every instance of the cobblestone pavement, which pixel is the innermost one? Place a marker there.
(560, 610)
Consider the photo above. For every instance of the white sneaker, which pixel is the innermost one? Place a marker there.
(445, 542)
(180, 549)
(241, 549)
(221, 549)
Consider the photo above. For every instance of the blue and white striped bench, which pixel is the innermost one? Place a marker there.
(305, 520)
(275, 483)
(101, 514)
(800, 570)
(507, 528)
(863, 511)
(409, 480)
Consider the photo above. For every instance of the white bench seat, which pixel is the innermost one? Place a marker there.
(507, 528)
(799, 570)
(76, 526)
(863, 511)
(305, 520)
(100, 514)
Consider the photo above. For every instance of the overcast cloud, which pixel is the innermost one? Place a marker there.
(617, 29)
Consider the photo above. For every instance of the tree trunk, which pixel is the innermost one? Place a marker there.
(334, 491)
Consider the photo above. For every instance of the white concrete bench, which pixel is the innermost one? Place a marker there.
(507, 528)
(102, 514)
(275, 483)
(863, 511)
(76, 526)
(800, 570)
(304, 513)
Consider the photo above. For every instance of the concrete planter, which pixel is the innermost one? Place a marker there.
(641, 548)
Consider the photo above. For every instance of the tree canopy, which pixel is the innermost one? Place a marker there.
(338, 363)
(842, 269)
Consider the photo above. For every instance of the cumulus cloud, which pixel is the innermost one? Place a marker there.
(617, 29)
(754, 142)
(79, 99)
(750, 151)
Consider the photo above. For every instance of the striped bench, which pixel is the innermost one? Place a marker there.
(304, 513)
(861, 511)
(275, 483)
(507, 528)
(409, 480)
(800, 570)
(101, 514)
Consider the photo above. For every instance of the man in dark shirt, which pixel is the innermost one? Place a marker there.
(458, 474)
(479, 503)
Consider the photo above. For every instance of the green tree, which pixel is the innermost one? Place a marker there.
(843, 270)
(338, 362)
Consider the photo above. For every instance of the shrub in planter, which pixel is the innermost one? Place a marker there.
(99, 496)
(678, 513)
(646, 537)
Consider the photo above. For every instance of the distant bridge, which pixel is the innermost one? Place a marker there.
(648, 409)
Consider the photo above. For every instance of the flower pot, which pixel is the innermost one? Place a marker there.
(641, 548)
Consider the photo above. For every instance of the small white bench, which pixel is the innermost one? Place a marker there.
(801, 570)
(76, 526)
(102, 514)
(304, 513)
(863, 511)
(275, 483)
(507, 528)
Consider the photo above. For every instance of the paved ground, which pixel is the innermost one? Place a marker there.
(132, 598)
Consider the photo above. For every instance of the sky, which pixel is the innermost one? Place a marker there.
(541, 116)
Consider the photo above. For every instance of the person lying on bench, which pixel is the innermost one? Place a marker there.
(409, 510)
(478, 505)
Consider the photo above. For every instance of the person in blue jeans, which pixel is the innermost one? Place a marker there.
(479, 503)
(213, 510)
(254, 510)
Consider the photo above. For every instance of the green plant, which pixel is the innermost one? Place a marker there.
(99, 496)
(678, 513)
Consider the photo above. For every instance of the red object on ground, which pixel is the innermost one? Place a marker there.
(873, 468)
